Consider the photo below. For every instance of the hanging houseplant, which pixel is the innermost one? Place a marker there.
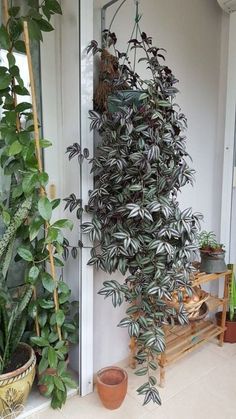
(137, 225)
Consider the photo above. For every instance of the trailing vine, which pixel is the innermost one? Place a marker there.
(140, 166)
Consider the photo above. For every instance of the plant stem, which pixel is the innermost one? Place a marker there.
(145, 49)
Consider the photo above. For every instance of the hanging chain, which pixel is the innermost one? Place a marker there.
(135, 30)
(137, 18)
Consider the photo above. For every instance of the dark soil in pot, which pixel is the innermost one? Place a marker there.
(230, 333)
(19, 358)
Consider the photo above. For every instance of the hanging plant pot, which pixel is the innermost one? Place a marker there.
(125, 98)
(112, 385)
(15, 385)
(212, 262)
(230, 333)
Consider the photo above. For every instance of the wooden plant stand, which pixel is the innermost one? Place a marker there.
(180, 340)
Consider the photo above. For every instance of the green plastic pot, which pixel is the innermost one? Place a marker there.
(124, 98)
(212, 262)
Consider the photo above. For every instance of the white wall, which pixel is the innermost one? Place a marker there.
(195, 35)
(67, 74)
(228, 226)
(61, 125)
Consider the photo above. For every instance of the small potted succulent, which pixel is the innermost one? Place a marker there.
(212, 253)
(230, 333)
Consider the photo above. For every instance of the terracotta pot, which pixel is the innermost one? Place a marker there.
(112, 385)
(43, 387)
(49, 371)
(230, 333)
(15, 386)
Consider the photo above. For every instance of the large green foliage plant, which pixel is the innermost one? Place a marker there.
(41, 237)
(137, 224)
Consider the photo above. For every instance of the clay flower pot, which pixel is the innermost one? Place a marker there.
(230, 333)
(49, 371)
(112, 385)
(15, 386)
(43, 387)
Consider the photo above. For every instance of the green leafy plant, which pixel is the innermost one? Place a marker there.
(13, 318)
(41, 237)
(232, 295)
(207, 242)
(54, 352)
(137, 225)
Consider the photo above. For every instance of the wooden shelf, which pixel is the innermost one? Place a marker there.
(181, 340)
(202, 277)
(215, 302)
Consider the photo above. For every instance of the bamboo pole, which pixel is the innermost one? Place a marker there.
(5, 12)
(39, 159)
(33, 96)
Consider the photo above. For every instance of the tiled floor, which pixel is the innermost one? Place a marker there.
(200, 386)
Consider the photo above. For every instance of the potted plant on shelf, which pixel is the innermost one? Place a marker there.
(212, 253)
(136, 223)
(230, 333)
(41, 237)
